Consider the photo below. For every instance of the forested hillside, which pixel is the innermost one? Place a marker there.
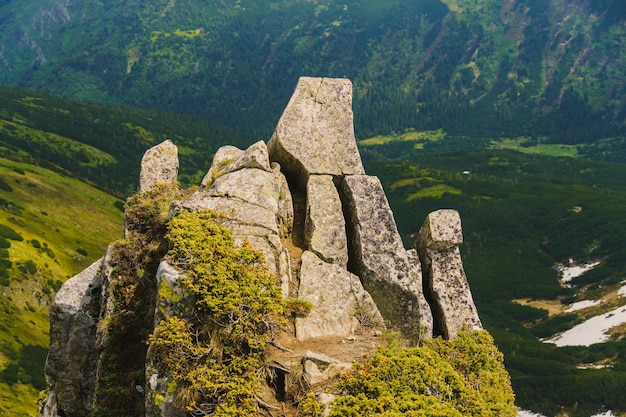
(550, 68)
(102, 144)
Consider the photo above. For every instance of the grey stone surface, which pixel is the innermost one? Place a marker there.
(319, 368)
(444, 276)
(255, 198)
(229, 159)
(71, 364)
(315, 134)
(159, 165)
(426, 319)
(340, 304)
(378, 256)
(325, 227)
(285, 213)
(441, 230)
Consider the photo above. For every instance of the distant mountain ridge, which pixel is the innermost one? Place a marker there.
(551, 68)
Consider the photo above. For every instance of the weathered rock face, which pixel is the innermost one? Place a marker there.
(315, 134)
(71, 365)
(340, 304)
(350, 263)
(159, 165)
(253, 195)
(379, 258)
(325, 227)
(444, 277)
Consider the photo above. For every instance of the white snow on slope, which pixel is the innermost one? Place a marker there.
(590, 331)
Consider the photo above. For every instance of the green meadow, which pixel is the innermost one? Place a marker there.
(52, 227)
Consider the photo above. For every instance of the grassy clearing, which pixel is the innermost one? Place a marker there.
(518, 144)
(65, 225)
(409, 136)
(553, 307)
(436, 191)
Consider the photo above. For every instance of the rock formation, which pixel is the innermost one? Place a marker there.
(444, 278)
(326, 231)
(159, 165)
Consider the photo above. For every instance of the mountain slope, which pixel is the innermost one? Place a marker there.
(51, 227)
(101, 144)
(485, 68)
(524, 214)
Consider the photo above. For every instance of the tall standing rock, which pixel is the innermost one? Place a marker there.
(325, 227)
(72, 358)
(159, 165)
(379, 258)
(315, 134)
(444, 278)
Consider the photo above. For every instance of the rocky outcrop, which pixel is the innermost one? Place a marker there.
(340, 304)
(254, 197)
(315, 134)
(348, 261)
(72, 358)
(379, 258)
(444, 278)
(159, 165)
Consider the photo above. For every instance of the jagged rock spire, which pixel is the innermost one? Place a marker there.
(159, 165)
(444, 278)
(315, 134)
(353, 267)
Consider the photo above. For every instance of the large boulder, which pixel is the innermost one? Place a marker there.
(229, 159)
(72, 358)
(438, 247)
(341, 306)
(159, 165)
(315, 134)
(379, 258)
(325, 227)
(255, 198)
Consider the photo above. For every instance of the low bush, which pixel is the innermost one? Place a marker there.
(215, 353)
(464, 377)
(8, 233)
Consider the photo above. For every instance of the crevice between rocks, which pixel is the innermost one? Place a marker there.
(439, 327)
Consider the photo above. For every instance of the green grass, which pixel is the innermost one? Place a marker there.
(409, 136)
(518, 144)
(522, 213)
(65, 225)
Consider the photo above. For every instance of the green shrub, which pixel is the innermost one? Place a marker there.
(464, 377)
(296, 307)
(8, 233)
(215, 352)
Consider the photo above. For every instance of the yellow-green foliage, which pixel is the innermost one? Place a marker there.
(131, 289)
(464, 377)
(409, 135)
(214, 353)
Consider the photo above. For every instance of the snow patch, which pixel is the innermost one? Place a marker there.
(622, 292)
(570, 272)
(524, 413)
(590, 331)
(582, 304)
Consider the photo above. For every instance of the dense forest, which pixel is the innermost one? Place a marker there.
(551, 69)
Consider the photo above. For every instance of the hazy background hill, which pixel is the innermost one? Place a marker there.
(550, 68)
